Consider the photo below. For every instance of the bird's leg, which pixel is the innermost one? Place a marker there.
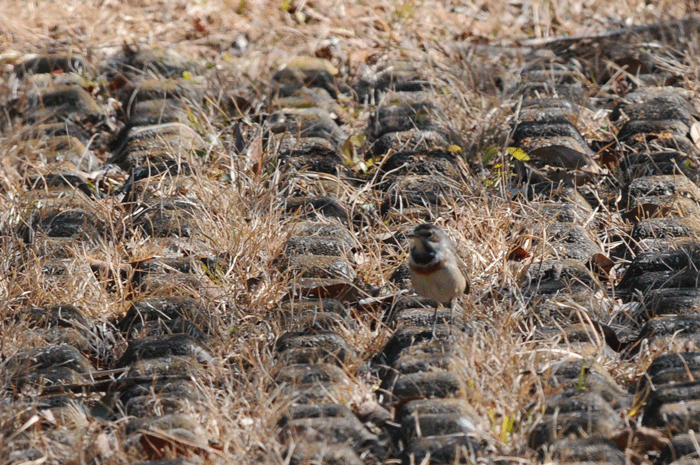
(453, 302)
(437, 305)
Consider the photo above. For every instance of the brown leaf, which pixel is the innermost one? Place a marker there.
(632, 65)
(256, 154)
(609, 156)
(160, 444)
(200, 26)
(325, 52)
(601, 264)
(517, 254)
(117, 83)
(156, 446)
(640, 439)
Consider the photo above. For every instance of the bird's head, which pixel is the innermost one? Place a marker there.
(423, 236)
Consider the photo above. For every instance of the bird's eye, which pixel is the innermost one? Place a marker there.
(433, 238)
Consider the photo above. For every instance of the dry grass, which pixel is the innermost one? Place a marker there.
(243, 218)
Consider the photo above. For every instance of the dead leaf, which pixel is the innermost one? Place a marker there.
(640, 439)
(325, 52)
(256, 154)
(695, 133)
(518, 153)
(517, 254)
(117, 83)
(610, 157)
(601, 264)
(200, 26)
(160, 444)
(102, 445)
(632, 65)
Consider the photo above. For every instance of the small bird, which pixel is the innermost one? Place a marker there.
(437, 271)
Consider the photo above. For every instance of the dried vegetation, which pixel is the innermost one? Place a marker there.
(239, 44)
